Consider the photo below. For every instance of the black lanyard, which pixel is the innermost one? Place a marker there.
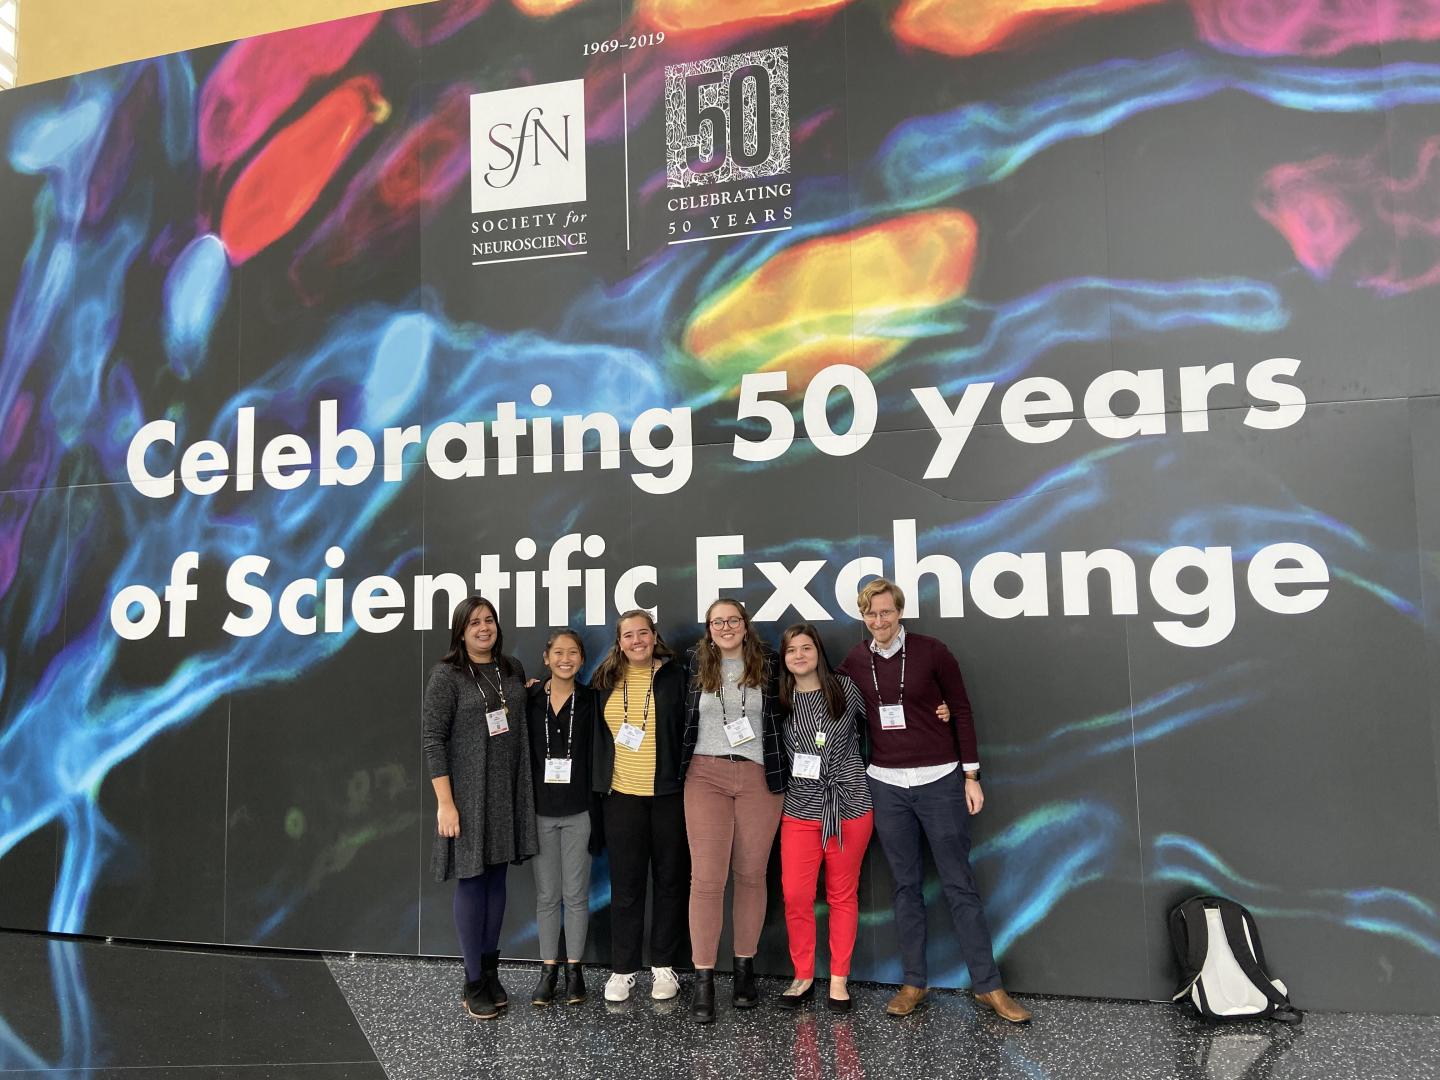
(820, 738)
(499, 688)
(550, 714)
(721, 695)
(876, 678)
(625, 696)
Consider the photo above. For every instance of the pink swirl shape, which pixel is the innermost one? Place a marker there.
(1312, 27)
(1348, 218)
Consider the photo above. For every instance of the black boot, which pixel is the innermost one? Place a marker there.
(545, 989)
(574, 984)
(702, 1002)
(490, 972)
(747, 995)
(478, 1002)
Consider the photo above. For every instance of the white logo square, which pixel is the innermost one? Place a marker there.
(527, 146)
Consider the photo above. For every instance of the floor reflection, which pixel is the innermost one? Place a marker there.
(68, 1005)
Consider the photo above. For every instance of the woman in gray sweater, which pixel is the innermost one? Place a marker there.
(477, 751)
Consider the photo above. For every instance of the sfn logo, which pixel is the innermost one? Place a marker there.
(527, 146)
(728, 118)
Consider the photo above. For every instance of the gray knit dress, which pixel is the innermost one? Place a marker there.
(489, 774)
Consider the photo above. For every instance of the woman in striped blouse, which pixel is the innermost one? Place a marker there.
(828, 816)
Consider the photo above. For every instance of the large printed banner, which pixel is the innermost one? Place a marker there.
(1107, 329)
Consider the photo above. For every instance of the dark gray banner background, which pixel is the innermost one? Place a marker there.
(270, 791)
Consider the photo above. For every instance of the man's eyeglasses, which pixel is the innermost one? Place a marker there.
(728, 623)
(876, 613)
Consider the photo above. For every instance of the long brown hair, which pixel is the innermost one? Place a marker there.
(612, 668)
(834, 692)
(457, 657)
(752, 653)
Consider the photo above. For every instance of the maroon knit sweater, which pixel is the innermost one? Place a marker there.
(931, 676)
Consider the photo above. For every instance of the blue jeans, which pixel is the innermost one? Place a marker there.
(935, 812)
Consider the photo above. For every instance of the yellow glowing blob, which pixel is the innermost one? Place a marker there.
(542, 8)
(678, 15)
(828, 301)
(968, 27)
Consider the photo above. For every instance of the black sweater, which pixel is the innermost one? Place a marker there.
(562, 800)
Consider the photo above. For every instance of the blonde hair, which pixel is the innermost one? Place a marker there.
(876, 588)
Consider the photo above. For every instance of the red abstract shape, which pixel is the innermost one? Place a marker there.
(285, 178)
(259, 79)
(412, 175)
(970, 27)
(430, 23)
(1347, 217)
(1312, 27)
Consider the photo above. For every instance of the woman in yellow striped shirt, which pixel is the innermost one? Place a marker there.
(638, 735)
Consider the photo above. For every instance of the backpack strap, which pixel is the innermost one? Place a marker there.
(1189, 938)
(1248, 954)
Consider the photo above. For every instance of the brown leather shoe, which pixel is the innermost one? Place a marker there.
(907, 1000)
(1004, 1006)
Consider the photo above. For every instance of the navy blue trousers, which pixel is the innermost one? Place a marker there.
(904, 817)
(479, 911)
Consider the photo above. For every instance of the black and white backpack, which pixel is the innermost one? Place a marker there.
(1222, 964)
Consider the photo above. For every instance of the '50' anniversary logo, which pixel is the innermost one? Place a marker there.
(728, 118)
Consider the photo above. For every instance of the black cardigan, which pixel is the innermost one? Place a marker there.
(668, 725)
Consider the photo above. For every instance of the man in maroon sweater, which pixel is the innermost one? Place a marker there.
(924, 778)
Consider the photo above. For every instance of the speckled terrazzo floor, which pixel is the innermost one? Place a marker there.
(82, 1008)
(411, 1013)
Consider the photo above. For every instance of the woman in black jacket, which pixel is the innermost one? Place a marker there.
(734, 770)
(562, 719)
(638, 735)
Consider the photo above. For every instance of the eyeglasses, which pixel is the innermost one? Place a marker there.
(727, 623)
(887, 613)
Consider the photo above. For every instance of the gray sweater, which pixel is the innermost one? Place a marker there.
(489, 774)
(710, 740)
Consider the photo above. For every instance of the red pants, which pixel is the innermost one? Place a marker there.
(800, 859)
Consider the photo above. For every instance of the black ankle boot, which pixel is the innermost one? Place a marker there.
(702, 1002)
(545, 989)
(747, 995)
(478, 1002)
(490, 972)
(574, 984)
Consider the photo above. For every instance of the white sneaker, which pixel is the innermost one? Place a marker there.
(666, 985)
(618, 987)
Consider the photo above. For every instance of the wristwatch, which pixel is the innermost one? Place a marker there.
(973, 774)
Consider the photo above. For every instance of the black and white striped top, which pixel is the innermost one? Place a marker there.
(841, 791)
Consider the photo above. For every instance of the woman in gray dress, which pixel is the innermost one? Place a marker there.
(477, 751)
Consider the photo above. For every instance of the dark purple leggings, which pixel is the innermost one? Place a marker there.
(479, 911)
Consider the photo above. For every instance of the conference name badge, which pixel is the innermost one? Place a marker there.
(630, 736)
(892, 718)
(739, 731)
(557, 770)
(806, 766)
(496, 721)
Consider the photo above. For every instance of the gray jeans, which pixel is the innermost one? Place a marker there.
(562, 870)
